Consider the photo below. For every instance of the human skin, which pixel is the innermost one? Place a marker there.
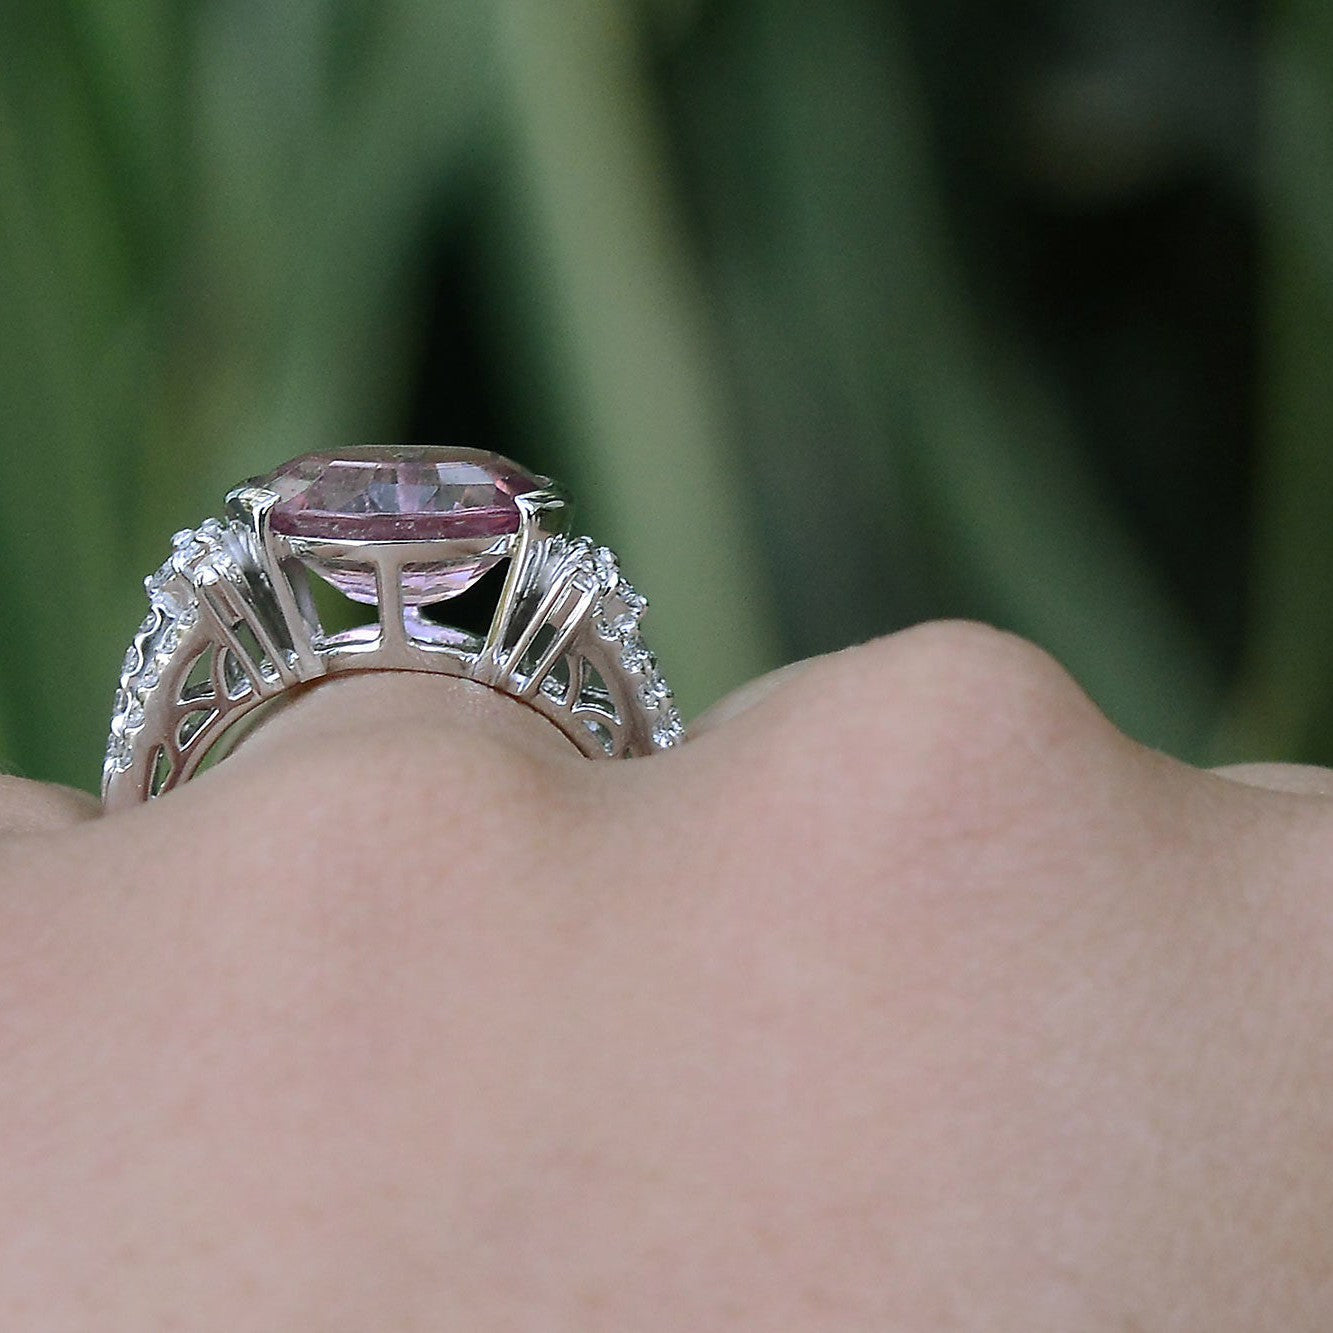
(912, 996)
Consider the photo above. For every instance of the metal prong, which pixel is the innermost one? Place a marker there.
(544, 615)
(544, 514)
(252, 505)
(389, 596)
(215, 603)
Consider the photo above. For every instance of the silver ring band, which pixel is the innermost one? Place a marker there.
(233, 624)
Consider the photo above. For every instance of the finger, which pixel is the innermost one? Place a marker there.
(747, 697)
(1299, 779)
(389, 705)
(40, 807)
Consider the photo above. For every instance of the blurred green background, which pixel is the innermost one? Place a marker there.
(833, 316)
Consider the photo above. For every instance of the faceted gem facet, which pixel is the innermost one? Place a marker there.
(463, 499)
(409, 493)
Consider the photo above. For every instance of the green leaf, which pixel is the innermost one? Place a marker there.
(903, 413)
(605, 311)
(1284, 706)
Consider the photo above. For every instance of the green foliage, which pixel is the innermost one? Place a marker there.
(1284, 705)
(720, 285)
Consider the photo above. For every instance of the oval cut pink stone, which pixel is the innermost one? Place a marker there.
(404, 493)
(462, 499)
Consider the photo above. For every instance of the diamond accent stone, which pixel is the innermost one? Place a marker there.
(188, 558)
(606, 568)
(162, 590)
(636, 657)
(655, 690)
(670, 730)
(621, 622)
(635, 602)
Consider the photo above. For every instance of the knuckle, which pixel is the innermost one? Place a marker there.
(972, 692)
(945, 732)
(986, 687)
(953, 772)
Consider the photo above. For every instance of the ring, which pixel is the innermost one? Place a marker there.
(234, 623)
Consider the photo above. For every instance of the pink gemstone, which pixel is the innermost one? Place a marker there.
(411, 493)
(463, 499)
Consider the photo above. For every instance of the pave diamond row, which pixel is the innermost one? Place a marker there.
(210, 551)
(616, 618)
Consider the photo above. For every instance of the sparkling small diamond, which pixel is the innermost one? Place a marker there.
(605, 567)
(160, 591)
(670, 731)
(188, 618)
(132, 662)
(224, 561)
(636, 657)
(149, 623)
(150, 678)
(187, 557)
(635, 602)
(182, 538)
(612, 624)
(553, 688)
(212, 530)
(620, 613)
(134, 717)
(654, 690)
(169, 642)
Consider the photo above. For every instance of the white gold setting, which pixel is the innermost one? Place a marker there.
(232, 624)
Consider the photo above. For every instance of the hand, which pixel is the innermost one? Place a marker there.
(913, 996)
